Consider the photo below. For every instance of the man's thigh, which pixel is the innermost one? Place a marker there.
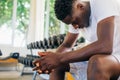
(116, 68)
(108, 63)
(113, 64)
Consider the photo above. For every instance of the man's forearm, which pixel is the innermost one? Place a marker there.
(85, 53)
(59, 73)
(62, 49)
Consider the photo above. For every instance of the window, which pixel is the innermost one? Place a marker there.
(52, 25)
(14, 21)
(6, 8)
(22, 22)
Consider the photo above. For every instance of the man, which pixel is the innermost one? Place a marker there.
(100, 22)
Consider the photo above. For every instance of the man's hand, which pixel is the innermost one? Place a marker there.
(38, 68)
(50, 61)
(37, 64)
(47, 63)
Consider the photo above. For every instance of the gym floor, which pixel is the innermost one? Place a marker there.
(10, 71)
(24, 77)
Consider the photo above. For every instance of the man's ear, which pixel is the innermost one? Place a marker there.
(80, 6)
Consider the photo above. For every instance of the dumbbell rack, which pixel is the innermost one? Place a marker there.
(50, 43)
(42, 76)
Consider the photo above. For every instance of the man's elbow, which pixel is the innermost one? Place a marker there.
(67, 45)
(108, 48)
(109, 51)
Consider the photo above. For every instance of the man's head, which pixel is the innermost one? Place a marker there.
(75, 12)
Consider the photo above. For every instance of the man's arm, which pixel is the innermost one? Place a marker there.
(103, 45)
(67, 43)
(59, 73)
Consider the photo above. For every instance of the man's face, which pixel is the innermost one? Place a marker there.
(80, 15)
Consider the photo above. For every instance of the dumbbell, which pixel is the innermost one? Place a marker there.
(62, 36)
(58, 40)
(30, 62)
(32, 56)
(53, 41)
(37, 44)
(31, 46)
(28, 46)
(0, 53)
(42, 44)
(14, 55)
(80, 40)
(48, 43)
(30, 59)
(51, 45)
(45, 43)
(21, 59)
(27, 61)
(33, 43)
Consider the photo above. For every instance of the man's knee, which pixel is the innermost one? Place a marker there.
(105, 66)
(98, 68)
(96, 62)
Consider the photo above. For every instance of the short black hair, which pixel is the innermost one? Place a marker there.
(63, 8)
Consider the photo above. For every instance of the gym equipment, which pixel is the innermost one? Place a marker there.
(29, 46)
(35, 45)
(38, 45)
(56, 41)
(50, 39)
(62, 36)
(42, 44)
(50, 43)
(0, 53)
(12, 55)
(28, 60)
(80, 40)
(45, 44)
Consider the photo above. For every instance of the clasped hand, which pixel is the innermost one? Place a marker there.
(47, 63)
